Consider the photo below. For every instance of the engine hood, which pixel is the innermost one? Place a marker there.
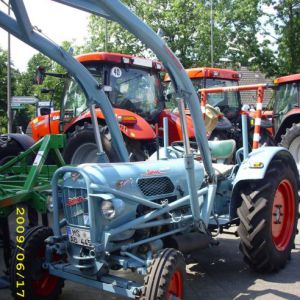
(150, 179)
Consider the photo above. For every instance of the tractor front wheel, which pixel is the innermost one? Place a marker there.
(291, 141)
(268, 218)
(29, 258)
(165, 276)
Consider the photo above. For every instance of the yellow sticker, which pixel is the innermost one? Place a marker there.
(256, 165)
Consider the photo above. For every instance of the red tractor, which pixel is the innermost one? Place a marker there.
(134, 88)
(286, 114)
(229, 103)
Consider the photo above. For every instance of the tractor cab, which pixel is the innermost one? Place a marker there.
(287, 99)
(202, 78)
(131, 83)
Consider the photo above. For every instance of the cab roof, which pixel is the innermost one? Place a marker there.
(289, 78)
(210, 73)
(119, 58)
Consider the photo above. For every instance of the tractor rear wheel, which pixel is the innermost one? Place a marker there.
(268, 218)
(81, 146)
(165, 276)
(38, 283)
(291, 141)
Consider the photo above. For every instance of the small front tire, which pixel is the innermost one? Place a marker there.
(165, 276)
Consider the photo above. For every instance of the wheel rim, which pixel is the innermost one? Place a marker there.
(175, 288)
(46, 283)
(86, 153)
(295, 150)
(283, 215)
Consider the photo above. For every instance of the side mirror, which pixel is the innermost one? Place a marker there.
(40, 75)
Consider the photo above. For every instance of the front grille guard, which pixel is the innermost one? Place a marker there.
(56, 190)
(146, 221)
(75, 214)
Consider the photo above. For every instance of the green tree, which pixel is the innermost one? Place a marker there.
(186, 25)
(283, 23)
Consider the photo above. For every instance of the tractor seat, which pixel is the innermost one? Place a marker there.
(221, 150)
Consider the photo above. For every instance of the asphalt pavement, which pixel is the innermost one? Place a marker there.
(216, 273)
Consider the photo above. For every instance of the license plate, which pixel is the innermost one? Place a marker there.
(79, 236)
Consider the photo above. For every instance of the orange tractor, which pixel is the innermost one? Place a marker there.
(228, 100)
(133, 86)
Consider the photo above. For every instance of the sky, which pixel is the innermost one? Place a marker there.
(57, 21)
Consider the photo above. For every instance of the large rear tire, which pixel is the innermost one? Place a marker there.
(38, 283)
(291, 141)
(165, 276)
(268, 218)
(81, 146)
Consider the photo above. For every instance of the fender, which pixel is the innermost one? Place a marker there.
(263, 156)
(140, 130)
(40, 125)
(24, 140)
(175, 133)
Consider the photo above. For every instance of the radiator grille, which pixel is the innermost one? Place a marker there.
(75, 206)
(156, 186)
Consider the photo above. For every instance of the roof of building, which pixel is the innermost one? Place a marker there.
(254, 77)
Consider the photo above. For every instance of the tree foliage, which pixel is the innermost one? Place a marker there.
(285, 21)
(240, 30)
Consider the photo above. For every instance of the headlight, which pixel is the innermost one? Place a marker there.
(108, 209)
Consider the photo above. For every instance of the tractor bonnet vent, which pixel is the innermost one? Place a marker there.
(156, 186)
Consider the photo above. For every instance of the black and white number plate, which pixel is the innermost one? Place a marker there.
(79, 236)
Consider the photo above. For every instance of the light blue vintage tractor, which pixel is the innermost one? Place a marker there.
(145, 216)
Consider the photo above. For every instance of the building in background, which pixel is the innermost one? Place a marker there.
(254, 77)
